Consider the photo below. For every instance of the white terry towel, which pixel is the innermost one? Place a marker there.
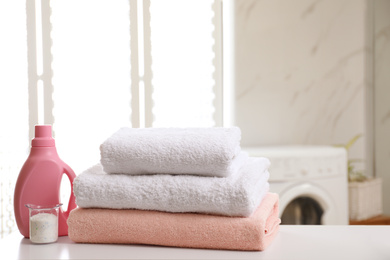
(199, 151)
(237, 195)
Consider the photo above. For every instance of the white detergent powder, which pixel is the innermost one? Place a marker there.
(43, 228)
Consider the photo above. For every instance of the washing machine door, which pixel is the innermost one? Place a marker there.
(307, 204)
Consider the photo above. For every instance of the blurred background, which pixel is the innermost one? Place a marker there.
(307, 72)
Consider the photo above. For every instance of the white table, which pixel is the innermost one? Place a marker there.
(292, 242)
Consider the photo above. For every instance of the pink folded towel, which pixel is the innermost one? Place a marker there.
(110, 226)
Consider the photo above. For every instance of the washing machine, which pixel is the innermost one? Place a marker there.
(311, 182)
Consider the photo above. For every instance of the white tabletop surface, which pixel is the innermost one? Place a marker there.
(292, 242)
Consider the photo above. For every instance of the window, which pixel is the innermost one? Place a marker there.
(95, 65)
(182, 63)
(91, 76)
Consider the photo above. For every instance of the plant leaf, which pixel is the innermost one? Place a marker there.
(352, 141)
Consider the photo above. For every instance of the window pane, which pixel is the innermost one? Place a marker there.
(91, 68)
(182, 62)
(14, 141)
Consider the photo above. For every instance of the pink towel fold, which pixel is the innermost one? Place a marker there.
(110, 226)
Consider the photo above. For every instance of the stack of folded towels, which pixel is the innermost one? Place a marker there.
(182, 187)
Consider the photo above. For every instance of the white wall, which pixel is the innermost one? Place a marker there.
(303, 73)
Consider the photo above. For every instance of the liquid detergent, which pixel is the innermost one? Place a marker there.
(39, 181)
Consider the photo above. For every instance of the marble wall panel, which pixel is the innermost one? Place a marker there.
(382, 97)
(301, 72)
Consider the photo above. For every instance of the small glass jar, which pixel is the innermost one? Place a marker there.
(43, 223)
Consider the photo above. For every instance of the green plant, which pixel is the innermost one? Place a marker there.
(353, 174)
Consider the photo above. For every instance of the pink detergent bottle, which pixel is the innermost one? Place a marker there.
(40, 179)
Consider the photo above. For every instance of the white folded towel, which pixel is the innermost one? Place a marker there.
(237, 195)
(199, 151)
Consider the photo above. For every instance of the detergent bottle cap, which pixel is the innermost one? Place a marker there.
(43, 136)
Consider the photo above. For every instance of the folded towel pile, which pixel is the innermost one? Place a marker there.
(190, 187)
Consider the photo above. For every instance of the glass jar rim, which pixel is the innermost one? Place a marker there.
(43, 207)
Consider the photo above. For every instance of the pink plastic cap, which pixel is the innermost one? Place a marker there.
(43, 136)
